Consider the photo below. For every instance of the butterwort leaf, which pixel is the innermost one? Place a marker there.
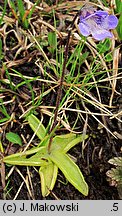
(70, 170)
(48, 175)
(33, 157)
(23, 161)
(67, 141)
(37, 126)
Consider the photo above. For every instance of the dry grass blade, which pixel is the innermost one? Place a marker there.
(25, 181)
(104, 126)
(21, 185)
(2, 170)
(73, 5)
(40, 48)
(115, 72)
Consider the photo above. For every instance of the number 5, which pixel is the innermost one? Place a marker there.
(115, 207)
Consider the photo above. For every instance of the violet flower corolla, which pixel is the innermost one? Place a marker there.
(97, 23)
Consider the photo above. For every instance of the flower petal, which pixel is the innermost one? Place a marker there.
(101, 34)
(98, 23)
(112, 21)
(109, 22)
(101, 13)
(84, 29)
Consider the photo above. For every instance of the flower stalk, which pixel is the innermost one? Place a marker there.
(59, 93)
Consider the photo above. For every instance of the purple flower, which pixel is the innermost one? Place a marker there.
(98, 23)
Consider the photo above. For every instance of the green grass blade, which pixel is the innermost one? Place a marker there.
(3, 109)
(33, 8)
(119, 27)
(22, 13)
(21, 8)
(4, 11)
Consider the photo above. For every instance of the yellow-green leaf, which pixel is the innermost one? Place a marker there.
(37, 126)
(48, 175)
(23, 161)
(38, 158)
(67, 141)
(70, 170)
